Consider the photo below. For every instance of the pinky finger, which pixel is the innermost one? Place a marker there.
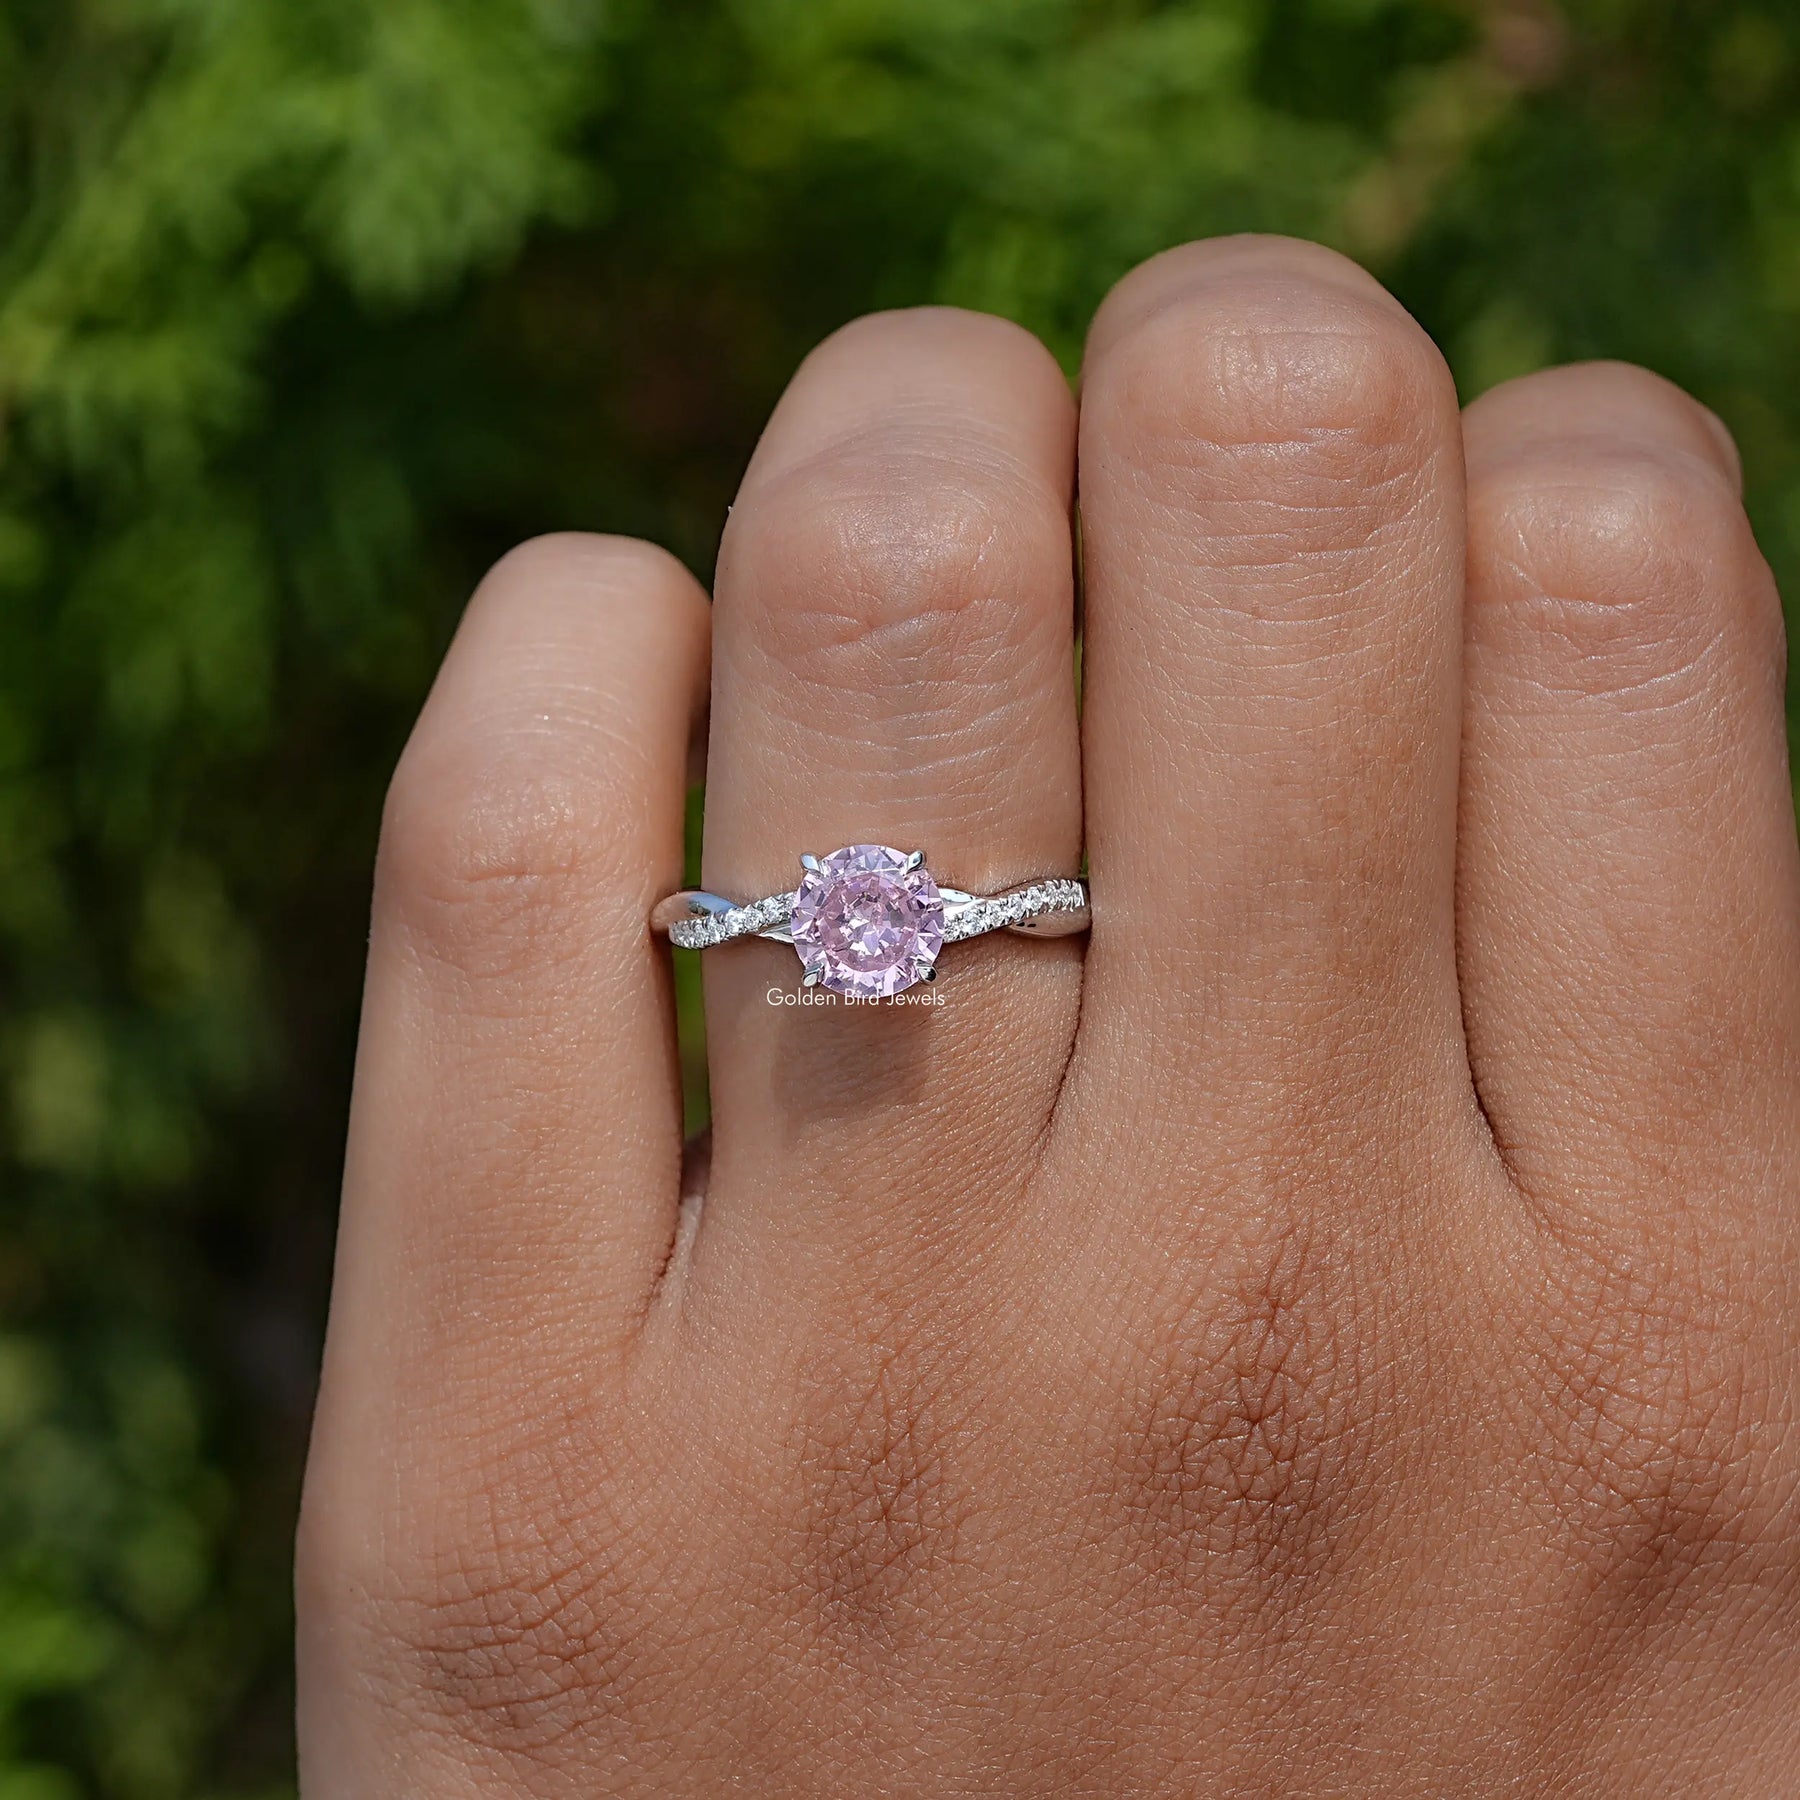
(514, 1160)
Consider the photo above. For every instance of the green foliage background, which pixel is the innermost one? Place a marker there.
(309, 307)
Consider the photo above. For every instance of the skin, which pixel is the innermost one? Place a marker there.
(1331, 1332)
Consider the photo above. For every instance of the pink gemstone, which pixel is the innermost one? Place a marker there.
(866, 924)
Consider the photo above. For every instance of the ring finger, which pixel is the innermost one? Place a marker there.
(893, 664)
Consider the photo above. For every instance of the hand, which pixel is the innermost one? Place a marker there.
(1333, 1332)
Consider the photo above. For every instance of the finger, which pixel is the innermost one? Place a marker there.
(1630, 890)
(515, 1139)
(1272, 524)
(894, 664)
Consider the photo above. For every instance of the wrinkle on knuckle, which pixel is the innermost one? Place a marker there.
(1325, 396)
(525, 1641)
(1239, 1448)
(880, 1512)
(496, 855)
(519, 1669)
(1669, 1449)
(1637, 562)
(900, 566)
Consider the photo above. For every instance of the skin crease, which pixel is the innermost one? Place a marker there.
(1332, 1332)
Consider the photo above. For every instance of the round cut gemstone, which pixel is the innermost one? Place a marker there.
(867, 925)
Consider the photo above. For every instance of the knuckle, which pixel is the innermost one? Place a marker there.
(1242, 1439)
(509, 823)
(502, 1617)
(901, 558)
(517, 1667)
(494, 854)
(880, 1512)
(1324, 390)
(1641, 559)
(523, 1663)
(1665, 1414)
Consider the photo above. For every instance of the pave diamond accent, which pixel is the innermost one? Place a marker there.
(1013, 909)
(741, 921)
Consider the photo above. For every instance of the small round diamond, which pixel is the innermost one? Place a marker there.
(866, 924)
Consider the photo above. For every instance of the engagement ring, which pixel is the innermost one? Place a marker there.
(867, 921)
